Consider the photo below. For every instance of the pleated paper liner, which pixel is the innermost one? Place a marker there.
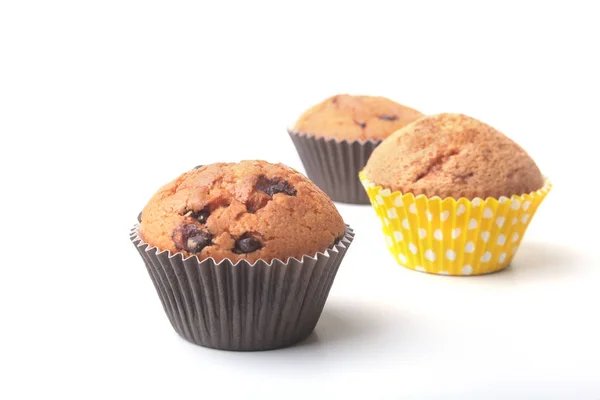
(453, 237)
(242, 306)
(333, 165)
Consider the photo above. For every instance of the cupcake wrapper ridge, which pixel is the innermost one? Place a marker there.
(333, 164)
(453, 237)
(242, 306)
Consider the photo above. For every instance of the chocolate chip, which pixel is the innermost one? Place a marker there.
(140, 217)
(361, 124)
(275, 185)
(201, 216)
(195, 244)
(246, 244)
(191, 238)
(386, 117)
(198, 166)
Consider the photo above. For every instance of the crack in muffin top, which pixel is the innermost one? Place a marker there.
(249, 210)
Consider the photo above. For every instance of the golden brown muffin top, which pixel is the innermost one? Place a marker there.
(249, 210)
(452, 155)
(355, 118)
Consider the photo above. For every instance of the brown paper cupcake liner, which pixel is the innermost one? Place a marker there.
(333, 164)
(242, 306)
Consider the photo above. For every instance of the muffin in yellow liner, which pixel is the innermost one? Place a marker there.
(453, 237)
(454, 194)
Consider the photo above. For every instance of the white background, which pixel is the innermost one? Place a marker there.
(102, 102)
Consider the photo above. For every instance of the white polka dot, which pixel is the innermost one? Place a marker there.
(467, 270)
(412, 208)
(443, 273)
(368, 184)
(476, 202)
(515, 204)
(430, 255)
(470, 247)
(385, 192)
(429, 216)
(419, 268)
(455, 233)
(412, 248)
(405, 224)
(500, 221)
(422, 233)
(473, 223)
(398, 202)
(487, 256)
(444, 216)
(503, 199)
(402, 258)
(398, 236)
(392, 213)
(461, 209)
(515, 237)
(386, 221)
(525, 218)
(526, 205)
(379, 199)
(485, 236)
(502, 257)
(514, 250)
(488, 213)
(389, 241)
(501, 240)
(450, 254)
(438, 235)
(514, 221)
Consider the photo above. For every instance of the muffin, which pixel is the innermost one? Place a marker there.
(454, 194)
(336, 137)
(242, 255)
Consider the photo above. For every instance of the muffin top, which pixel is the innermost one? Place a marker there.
(452, 155)
(355, 118)
(249, 210)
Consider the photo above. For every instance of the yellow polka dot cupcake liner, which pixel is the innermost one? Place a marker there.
(453, 237)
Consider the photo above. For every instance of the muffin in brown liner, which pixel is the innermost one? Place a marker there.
(336, 137)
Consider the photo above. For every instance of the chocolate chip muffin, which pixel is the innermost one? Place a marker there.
(242, 256)
(355, 117)
(336, 137)
(453, 155)
(251, 210)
